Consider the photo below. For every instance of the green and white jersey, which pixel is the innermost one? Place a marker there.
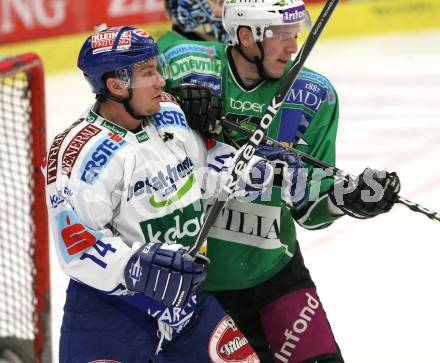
(251, 242)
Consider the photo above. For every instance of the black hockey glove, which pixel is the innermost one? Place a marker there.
(372, 193)
(201, 106)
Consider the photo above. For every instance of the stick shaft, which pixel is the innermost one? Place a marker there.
(330, 169)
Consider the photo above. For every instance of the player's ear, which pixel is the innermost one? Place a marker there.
(115, 86)
(245, 36)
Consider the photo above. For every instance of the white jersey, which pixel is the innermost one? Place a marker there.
(107, 188)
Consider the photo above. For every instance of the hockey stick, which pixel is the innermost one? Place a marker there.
(253, 142)
(330, 169)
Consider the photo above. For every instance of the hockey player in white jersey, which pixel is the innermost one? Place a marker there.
(123, 200)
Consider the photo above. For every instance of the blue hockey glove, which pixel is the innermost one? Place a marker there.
(256, 177)
(290, 174)
(165, 273)
(372, 193)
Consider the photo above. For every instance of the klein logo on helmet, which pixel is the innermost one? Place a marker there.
(103, 42)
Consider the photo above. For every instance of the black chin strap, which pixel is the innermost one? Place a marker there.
(258, 61)
(126, 103)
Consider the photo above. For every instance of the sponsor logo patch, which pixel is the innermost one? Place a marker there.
(52, 156)
(170, 116)
(180, 226)
(244, 106)
(228, 344)
(73, 236)
(75, 146)
(305, 94)
(99, 157)
(142, 137)
(327, 91)
(60, 196)
(135, 272)
(192, 64)
(294, 15)
(103, 42)
(189, 48)
(212, 82)
(114, 128)
(91, 117)
(167, 97)
(164, 182)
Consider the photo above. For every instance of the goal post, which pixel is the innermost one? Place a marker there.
(24, 250)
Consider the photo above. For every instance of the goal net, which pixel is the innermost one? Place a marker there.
(24, 254)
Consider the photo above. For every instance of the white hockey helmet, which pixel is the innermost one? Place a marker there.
(260, 14)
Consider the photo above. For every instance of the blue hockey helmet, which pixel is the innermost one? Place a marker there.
(116, 51)
(197, 16)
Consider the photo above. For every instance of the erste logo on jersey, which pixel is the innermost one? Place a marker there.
(99, 157)
(228, 344)
(170, 116)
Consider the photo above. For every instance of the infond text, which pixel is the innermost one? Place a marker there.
(299, 328)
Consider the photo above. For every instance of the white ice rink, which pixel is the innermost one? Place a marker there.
(379, 280)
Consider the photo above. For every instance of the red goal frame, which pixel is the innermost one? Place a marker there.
(31, 64)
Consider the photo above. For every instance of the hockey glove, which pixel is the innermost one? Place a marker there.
(201, 106)
(165, 273)
(372, 193)
(254, 179)
(290, 174)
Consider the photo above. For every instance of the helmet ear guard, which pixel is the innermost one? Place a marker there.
(261, 14)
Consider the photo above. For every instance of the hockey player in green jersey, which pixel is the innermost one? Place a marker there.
(257, 270)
